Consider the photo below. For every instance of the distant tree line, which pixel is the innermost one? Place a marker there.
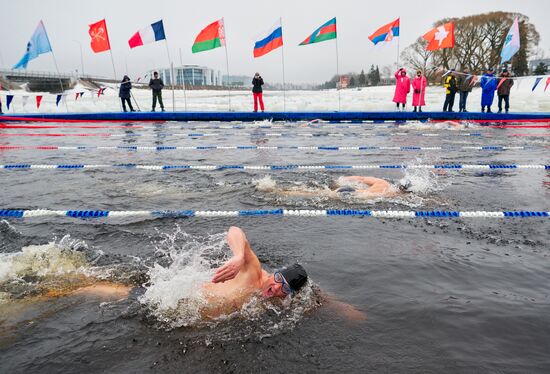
(478, 43)
(372, 78)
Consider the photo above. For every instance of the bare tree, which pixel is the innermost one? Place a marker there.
(478, 43)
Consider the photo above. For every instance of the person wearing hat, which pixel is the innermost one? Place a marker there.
(503, 91)
(354, 186)
(402, 88)
(257, 91)
(464, 82)
(242, 277)
(488, 85)
(450, 85)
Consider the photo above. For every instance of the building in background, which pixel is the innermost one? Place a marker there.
(237, 80)
(534, 63)
(192, 75)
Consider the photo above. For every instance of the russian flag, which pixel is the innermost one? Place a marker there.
(150, 34)
(386, 33)
(272, 41)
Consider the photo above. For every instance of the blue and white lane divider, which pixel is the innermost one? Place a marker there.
(16, 213)
(255, 147)
(268, 167)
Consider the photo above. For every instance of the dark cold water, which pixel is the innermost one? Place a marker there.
(440, 296)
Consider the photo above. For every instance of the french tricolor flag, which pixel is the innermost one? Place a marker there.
(150, 34)
(273, 40)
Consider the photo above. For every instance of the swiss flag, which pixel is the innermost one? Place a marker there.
(100, 37)
(441, 37)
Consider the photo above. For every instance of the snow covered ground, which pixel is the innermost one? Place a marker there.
(522, 99)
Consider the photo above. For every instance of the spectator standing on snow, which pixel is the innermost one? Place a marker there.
(419, 84)
(402, 88)
(450, 85)
(257, 91)
(464, 83)
(124, 93)
(156, 84)
(503, 91)
(488, 85)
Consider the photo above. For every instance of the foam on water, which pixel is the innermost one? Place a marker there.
(54, 258)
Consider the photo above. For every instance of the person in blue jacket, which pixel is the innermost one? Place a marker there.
(488, 85)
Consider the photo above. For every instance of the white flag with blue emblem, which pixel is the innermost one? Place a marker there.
(511, 43)
(38, 44)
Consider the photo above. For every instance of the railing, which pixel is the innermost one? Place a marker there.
(45, 74)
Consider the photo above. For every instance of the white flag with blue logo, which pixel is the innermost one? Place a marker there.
(38, 44)
(511, 43)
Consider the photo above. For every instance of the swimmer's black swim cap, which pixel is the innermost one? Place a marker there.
(295, 275)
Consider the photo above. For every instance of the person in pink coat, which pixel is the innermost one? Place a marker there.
(419, 84)
(402, 88)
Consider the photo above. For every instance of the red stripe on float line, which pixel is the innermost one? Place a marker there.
(55, 135)
(33, 119)
(520, 127)
(530, 135)
(527, 120)
(3, 126)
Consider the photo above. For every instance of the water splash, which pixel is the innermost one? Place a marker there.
(173, 297)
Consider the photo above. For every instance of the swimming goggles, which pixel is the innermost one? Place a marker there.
(278, 276)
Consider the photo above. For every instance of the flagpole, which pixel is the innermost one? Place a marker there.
(338, 74)
(398, 39)
(60, 81)
(183, 82)
(283, 61)
(172, 80)
(114, 71)
(227, 66)
(55, 64)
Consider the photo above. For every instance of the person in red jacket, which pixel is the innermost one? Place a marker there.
(419, 84)
(402, 88)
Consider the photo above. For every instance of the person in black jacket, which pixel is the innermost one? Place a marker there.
(257, 91)
(156, 84)
(124, 93)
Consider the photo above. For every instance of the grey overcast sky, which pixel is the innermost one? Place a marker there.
(67, 25)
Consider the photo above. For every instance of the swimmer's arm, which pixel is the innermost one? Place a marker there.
(236, 239)
(369, 181)
(349, 311)
(299, 193)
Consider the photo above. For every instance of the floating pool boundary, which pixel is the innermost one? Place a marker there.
(352, 117)
(19, 213)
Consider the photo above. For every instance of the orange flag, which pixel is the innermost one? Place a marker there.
(440, 37)
(100, 37)
(38, 101)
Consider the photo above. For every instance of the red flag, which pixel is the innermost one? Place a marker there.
(547, 83)
(100, 37)
(38, 101)
(76, 96)
(440, 37)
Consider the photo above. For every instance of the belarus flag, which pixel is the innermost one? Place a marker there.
(273, 40)
(150, 34)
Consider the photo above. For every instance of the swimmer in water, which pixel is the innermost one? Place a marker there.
(355, 186)
(243, 277)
